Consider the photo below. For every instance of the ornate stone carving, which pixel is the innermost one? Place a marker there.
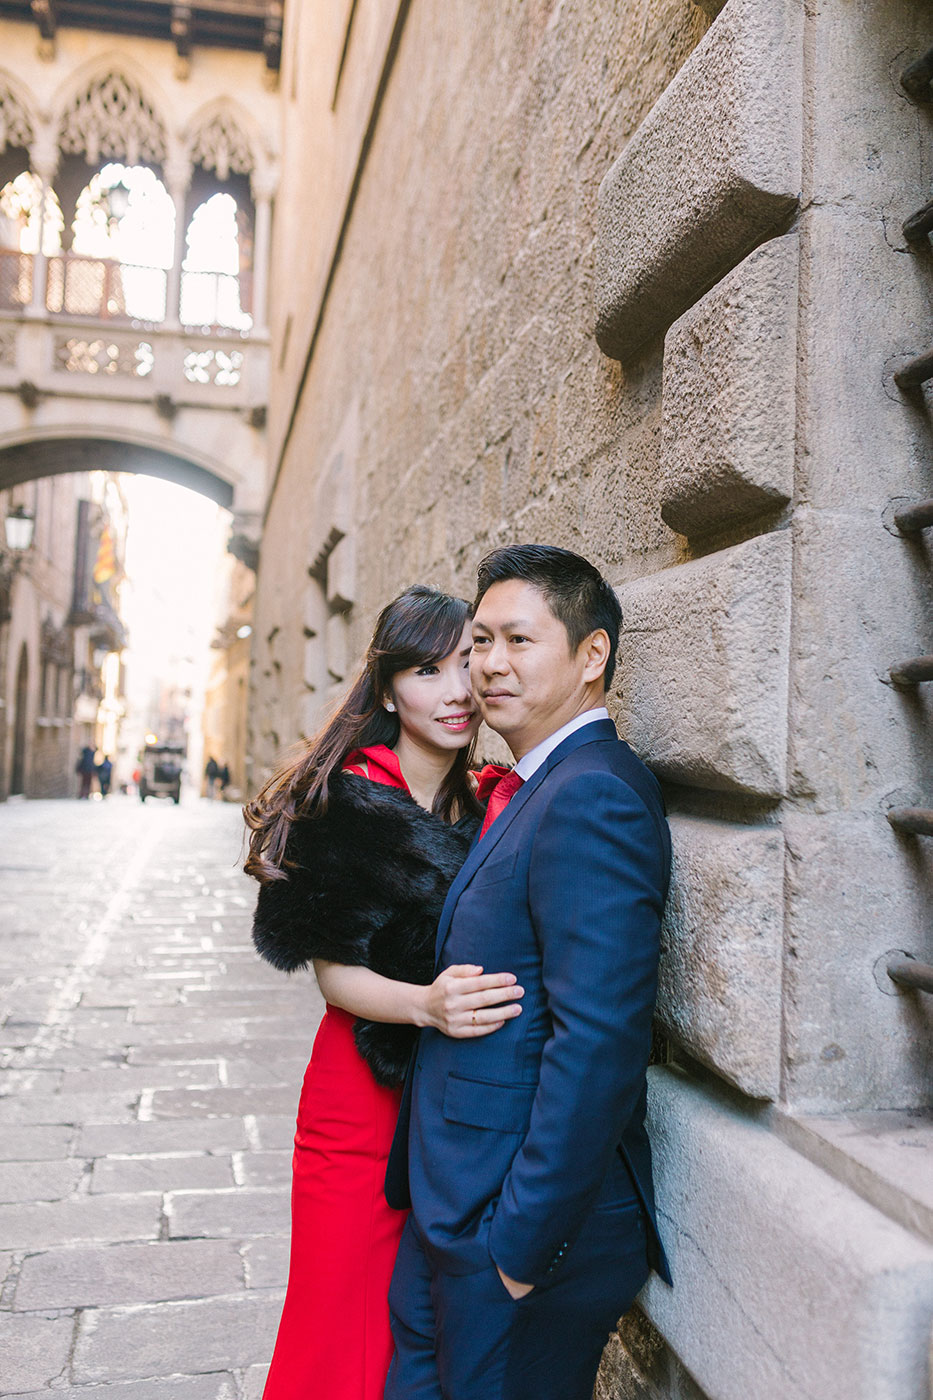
(111, 117)
(220, 144)
(106, 355)
(15, 125)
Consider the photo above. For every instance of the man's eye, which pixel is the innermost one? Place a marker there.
(479, 642)
(518, 638)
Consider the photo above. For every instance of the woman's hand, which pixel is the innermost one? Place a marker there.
(464, 1002)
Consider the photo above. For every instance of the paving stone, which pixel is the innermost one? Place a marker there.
(165, 1173)
(94, 1276)
(236, 1213)
(106, 1218)
(69, 1108)
(39, 1181)
(204, 1336)
(254, 1381)
(33, 1144)
(276, 1134)
(219, 1385)
(178, 1135)
(222, 1103)
(266, 1261)
(285, 1072)
(182, 1052)
(35, 1351)
(132, 1079)
(266, 1168)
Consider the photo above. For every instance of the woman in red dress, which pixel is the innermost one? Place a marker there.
(355, 844)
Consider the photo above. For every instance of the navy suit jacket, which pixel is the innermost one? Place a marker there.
(508, 1141)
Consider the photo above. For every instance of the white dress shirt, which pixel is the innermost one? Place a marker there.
(529, 765)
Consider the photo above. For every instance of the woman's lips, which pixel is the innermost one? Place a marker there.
(456, 722)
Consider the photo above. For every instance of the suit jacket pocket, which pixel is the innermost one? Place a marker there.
(483, 1103)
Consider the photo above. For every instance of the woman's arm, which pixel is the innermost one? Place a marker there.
(462, 1001)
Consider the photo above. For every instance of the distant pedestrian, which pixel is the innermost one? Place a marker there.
(85, 771)
(104, 775)
(224, 779)
(211, 774)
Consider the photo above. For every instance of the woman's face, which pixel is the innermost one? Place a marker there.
(434, 702)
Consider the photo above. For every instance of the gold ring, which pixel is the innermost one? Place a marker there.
(473, 1018)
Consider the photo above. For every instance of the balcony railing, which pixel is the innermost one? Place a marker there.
(15, 280)
(100, 289)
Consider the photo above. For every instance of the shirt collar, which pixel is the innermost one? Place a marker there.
(526, 767)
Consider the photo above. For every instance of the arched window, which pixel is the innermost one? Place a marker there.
(19, 216)
(20, 202)
(210, 283)
(124, 232)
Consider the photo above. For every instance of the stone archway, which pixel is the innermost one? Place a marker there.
(27, 461)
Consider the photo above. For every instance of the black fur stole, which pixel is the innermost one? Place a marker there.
(366, 885)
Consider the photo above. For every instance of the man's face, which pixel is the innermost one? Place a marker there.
(527, 681)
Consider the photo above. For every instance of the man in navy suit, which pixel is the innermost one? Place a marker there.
(523, 1152)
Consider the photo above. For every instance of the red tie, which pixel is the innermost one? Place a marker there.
(502, 794)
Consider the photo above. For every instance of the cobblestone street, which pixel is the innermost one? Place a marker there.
(151, 1070)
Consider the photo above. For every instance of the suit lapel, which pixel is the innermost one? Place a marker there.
(597, 730)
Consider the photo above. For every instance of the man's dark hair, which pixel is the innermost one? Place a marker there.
(575, 591)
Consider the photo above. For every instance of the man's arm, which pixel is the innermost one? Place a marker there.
(596, 891)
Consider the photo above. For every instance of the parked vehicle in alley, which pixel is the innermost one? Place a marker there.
(160, 771)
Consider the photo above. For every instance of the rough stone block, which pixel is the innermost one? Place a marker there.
(89, 1276)
(747, 1220)
(730, 365)
(266, 1168)
(191, 1338)
(703, 662)
(34, 1351)
(855, 891)
(862, 601)
(691, 194)
(720, 985)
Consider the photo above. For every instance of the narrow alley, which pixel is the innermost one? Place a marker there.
(151, 1069)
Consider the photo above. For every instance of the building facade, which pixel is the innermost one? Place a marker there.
(61, 634)
(138, 169)
(633, 279)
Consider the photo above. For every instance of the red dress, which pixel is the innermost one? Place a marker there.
(334, 1341)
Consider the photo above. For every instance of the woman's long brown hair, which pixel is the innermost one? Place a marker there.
(418, 628)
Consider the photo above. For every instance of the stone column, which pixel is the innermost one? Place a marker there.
(44, 161)
(178, 180)
(262, 185)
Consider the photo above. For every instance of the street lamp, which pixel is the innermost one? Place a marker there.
(116, 202)
(19, 526)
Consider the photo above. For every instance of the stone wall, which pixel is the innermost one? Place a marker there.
(632, 280)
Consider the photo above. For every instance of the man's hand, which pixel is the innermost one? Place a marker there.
(514, 1289)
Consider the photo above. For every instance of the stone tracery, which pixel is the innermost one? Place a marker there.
(16, 127)
(112, 117)
(220, 144)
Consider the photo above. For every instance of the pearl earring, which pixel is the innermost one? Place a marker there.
(390, 707)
